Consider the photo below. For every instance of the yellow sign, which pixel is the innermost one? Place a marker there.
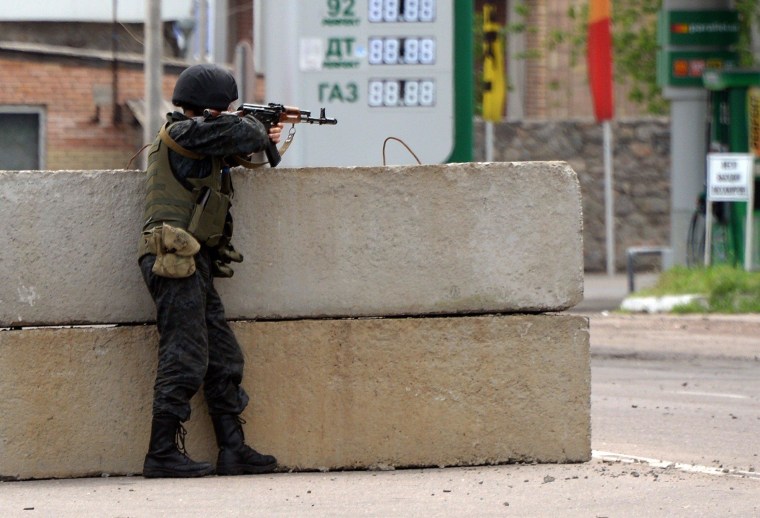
(494, 77)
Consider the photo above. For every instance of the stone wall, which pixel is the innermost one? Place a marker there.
(641, 169)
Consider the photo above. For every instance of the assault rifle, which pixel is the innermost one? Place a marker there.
(273, 113)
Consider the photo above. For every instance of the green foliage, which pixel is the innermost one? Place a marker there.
(634, 41)
(477, 35)
(519, 26)
(748, 16)
(727, 289)
(634, 34)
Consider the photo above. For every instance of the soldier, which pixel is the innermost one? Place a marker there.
(185, 243)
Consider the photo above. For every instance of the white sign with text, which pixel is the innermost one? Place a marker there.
(729, 176)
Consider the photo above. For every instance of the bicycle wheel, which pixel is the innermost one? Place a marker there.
(695, 244)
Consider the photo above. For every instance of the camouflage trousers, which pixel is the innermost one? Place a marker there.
(196, 345)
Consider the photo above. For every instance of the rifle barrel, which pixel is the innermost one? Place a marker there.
(320, 121)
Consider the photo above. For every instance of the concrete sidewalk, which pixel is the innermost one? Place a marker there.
(602, 292)
(597, 488)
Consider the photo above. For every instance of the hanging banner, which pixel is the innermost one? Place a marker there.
(599, 53)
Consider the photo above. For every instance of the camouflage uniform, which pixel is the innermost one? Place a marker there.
(196, 344)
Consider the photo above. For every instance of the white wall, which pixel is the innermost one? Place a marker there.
(90, 10)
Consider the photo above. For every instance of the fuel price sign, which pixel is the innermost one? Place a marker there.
(383, 68)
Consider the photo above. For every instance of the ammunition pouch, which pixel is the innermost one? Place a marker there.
(208, 217)
(174, 266)
(174, 249)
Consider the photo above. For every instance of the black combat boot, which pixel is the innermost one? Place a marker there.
(235, 457)
(166, 454)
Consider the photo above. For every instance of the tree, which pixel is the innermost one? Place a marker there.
(634, 32)
(634, 40)
(749, 38)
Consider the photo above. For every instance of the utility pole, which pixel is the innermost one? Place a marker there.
(152, 71)
(516, 68)
(203, 37)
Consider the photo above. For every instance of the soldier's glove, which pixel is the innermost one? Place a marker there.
(228, 254)
(220, 269)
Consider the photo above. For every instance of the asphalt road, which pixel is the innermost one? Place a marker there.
(703, 412)
(685, 389)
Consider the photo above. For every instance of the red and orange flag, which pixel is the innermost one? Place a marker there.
(600, 58)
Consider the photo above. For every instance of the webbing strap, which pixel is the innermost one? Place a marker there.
(238, 160)
(169, 141)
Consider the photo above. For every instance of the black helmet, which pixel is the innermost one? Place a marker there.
(205, 86)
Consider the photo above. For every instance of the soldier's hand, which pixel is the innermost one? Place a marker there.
(275, 132)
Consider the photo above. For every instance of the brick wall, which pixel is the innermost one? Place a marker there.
(79, 133)
(241, 22)
(556, 84)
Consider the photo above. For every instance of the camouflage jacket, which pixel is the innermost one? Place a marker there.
(221, 136)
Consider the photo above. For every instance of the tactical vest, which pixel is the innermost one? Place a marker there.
(201, 211)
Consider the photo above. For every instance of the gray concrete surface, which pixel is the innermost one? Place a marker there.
(322, 242)
(596, 489)
(328, 248)
(325, 394)
(607, 486)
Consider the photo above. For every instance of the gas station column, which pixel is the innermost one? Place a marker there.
(688, 115)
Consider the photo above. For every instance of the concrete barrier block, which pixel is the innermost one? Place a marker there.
(325, 394)
(71, 241)
(331, 242)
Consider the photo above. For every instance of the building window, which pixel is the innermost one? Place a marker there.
(21, 138)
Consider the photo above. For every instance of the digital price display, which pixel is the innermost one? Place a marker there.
(381, 67)
(396, 93)
(401, 51)
(399, 11)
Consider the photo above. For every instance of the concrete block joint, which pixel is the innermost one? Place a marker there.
(327, 252)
